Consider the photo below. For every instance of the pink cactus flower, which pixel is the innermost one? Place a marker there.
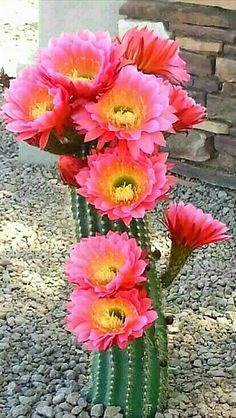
(111, 320)
(188, 112)
(191, 228)
(135, 110)
(106, 263)
(83, 62)
(121, 187)
(34, 106)
(153, 54)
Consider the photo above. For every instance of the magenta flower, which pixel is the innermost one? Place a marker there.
(189, 113)
(190, 228)
(135, 110)
(83, 62)
(121, 187)
(106, 263)
(34, 106)
(153, 54)
(111, 320)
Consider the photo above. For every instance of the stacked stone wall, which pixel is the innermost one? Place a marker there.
(206, 31)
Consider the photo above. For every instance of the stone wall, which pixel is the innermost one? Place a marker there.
(206, 30)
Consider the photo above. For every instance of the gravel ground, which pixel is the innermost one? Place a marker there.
(42, 372)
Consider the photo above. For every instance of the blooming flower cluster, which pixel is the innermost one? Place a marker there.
(124, 97)
(109, 304)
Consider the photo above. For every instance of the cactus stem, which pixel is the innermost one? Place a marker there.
(134, 378)
(134, 400)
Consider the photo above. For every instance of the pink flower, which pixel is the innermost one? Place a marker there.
(68, 167)
(111, 320)
(136, 110)
(188, 112)
(153, 54)
(83, 62)
(191, 228)
(121, 187)
(34, 106)
(106, 263)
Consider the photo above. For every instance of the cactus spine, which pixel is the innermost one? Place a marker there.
(135, 378)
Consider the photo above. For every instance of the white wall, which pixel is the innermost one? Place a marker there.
(56, 16)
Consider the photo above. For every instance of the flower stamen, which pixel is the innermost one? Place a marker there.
(105, 274)
(125, 193)
(38, 109)
(124, 190)
(110, 315)
(76, 75)
(124, 117)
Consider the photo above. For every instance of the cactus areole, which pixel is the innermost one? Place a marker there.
(106, 106)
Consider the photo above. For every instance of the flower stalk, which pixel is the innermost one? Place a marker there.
(178, 257)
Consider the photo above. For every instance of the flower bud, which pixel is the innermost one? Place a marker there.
(68, 167)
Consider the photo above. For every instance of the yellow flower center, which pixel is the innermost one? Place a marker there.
(75, 75)
(112, 320)
(123, 182)
(105, 275)
(40, 109)
(80, 68)
(41, 103)
(124, 190)
(104, 268)
(124, 117)
(125, 193)
(109, 315)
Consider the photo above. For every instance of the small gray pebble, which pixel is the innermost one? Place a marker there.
(19, 410)
(25, 378)
(4, 262)
(45, 410)
(111, 411)
(65, 406)
(232, 399)
(82, 403)
(83, 414)
(97, 410)
(213, 361)
(25, 400)
(12, 388)
(76, 410)
(59, 398)
(72, 398)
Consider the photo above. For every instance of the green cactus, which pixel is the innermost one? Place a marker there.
(134, 378)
